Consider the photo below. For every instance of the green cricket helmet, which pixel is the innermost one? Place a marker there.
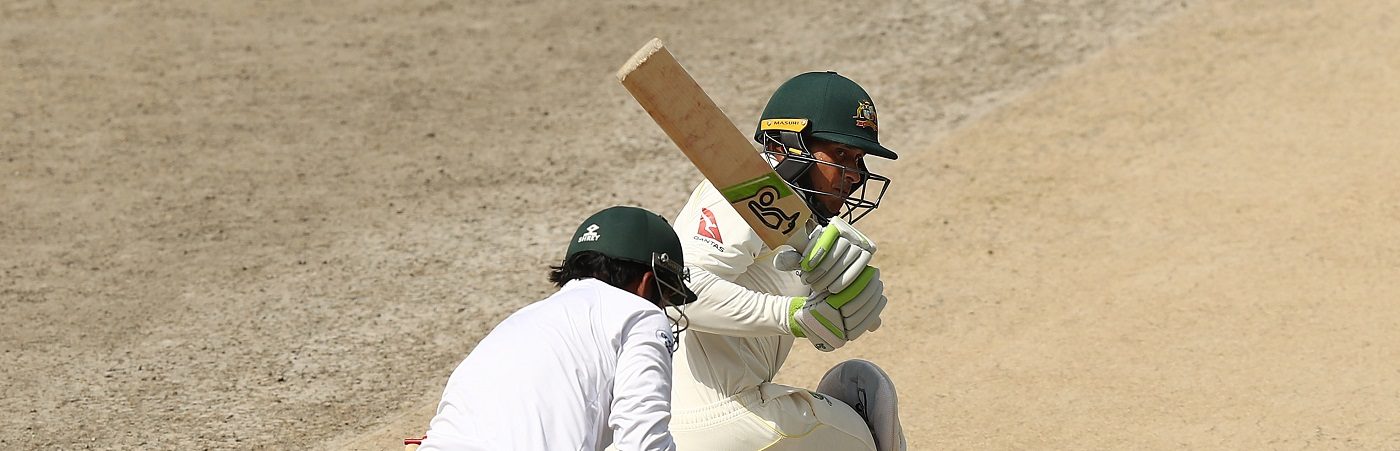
(824, 106)
(639, 236)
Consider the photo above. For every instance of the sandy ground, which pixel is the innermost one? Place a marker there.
(1118, 224)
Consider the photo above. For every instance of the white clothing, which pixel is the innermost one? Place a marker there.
(773, 417)
(739, 336)
(576, 371)
(740, 320)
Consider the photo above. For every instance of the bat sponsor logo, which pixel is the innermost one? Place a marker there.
(760, 196)
(773, 217)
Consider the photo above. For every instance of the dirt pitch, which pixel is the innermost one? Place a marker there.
(1117, 224)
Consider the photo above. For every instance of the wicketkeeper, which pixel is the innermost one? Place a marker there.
(586, 367)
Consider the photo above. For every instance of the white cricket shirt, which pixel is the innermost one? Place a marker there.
(576, 371)
(739, 334)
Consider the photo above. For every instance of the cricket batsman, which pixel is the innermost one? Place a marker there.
(754, 302)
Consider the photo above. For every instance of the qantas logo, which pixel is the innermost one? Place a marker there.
(709, 228)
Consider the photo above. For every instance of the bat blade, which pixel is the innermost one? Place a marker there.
(713, 144)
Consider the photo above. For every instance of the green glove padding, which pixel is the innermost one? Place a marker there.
(830, 320)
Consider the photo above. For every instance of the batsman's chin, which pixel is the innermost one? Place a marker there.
(827, 208)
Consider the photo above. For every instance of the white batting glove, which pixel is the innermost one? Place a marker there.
(829, 320)
(836, 255)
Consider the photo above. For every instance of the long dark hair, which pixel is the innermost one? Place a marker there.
(590, 264)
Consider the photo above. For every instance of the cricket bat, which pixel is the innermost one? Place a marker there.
(714, 145)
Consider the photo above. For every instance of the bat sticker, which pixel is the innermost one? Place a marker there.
(760, 195)
(773, 217)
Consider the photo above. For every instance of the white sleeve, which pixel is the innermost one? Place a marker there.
(641, 406)
(726, 308)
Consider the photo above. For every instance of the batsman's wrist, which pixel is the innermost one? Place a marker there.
(793, 324)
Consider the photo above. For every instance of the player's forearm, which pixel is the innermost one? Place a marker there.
(642, 422)
(726, 308)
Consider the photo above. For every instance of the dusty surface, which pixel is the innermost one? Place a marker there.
(1190, 242)
(276, 225)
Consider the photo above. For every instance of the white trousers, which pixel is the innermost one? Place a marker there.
(772, 417)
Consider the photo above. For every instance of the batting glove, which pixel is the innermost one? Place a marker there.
(829, 320)
(836, 255)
